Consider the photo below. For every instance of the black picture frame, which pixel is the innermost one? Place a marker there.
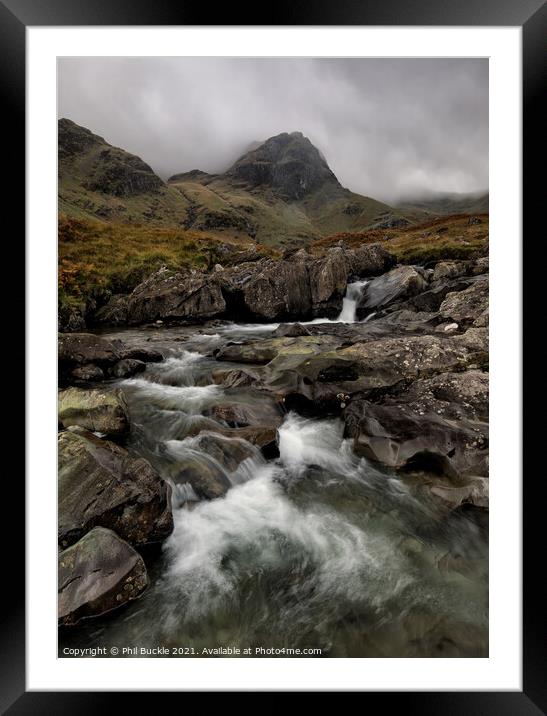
(531, 15)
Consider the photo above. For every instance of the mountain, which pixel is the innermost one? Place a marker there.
(445, 203)
(280, 192)
(97, 180)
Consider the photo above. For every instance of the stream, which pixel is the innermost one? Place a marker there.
(315, 548)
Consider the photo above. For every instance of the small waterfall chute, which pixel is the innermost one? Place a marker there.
(354, 292)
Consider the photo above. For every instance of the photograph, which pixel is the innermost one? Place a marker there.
(273, 355)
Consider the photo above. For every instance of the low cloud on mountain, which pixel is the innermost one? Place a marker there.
(389, 128)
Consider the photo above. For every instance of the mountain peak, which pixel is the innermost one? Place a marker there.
(288, 163)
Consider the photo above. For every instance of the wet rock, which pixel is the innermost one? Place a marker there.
(76, 349)
(328, 278)
(468, 307)
(70, 318)
(291, 330)
(396, 285)
(228, 451)
(101, 484)
(205, 475)
(387, 361)
(147, 355)
(370, 260)
(234, 378)
(398, 435)
(264, 438)
(175, 297)
(126, 368)
(450, 269)
(241, 415)
(114, 312)
(89, 372)
(268, 290)
(249, 352)
(453, 395)
(476, 494)
(99, 573)
(431, 299)
(480, 266)
(103, 411)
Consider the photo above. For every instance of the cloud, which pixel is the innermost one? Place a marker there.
(389, 128)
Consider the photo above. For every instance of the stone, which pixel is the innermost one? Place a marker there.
(175, 297)
(102, 411)
(89, 372)
(127, 367)
(101, 484)
(468, 307)
(398, 284)
(76, 349)
(97, 574)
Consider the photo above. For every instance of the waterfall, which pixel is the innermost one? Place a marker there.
(349, 306)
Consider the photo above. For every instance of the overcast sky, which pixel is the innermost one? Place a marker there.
(388, 128)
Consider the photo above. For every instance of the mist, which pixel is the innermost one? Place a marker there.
(389, 128)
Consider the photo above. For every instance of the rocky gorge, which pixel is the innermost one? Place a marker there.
(286, 451)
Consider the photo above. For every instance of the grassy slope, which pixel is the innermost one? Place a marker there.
(448, 204)
(95, 255)
(276, 222)
(448, 237)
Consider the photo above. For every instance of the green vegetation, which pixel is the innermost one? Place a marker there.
(96, 257)
(448, 237)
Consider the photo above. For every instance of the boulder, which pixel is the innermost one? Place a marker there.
(101, 411)
(450, 269)
(89, 372)
(291, 330)
(369, 260)
(241, 415)
(265, 350)
(126, 367)
(480, 266)
(468, 307)
(262, 436)
(227, 451)
(398, 435)
(474, 494)
(76, 349)
(101, 484)
(396, 285)
(147, 355)
(175, 297)
(234, 378)
(98, 573)
(268, 290)
(114, 312)
(452, 395)
(387, 361)
(206, 476)
(70, 318)
(328, 278)
(432, 298)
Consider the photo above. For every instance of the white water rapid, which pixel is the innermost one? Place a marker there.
(351, 299)
(312, 547)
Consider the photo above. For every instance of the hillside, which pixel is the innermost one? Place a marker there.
(445, 203)
(280, 193)
(459, 236)
(97, 180)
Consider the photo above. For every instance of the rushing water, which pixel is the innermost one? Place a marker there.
(314, 549)
(351, 299)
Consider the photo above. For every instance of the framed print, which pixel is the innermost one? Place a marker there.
(274, 318)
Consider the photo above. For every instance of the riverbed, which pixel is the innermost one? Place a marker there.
(313, 548)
